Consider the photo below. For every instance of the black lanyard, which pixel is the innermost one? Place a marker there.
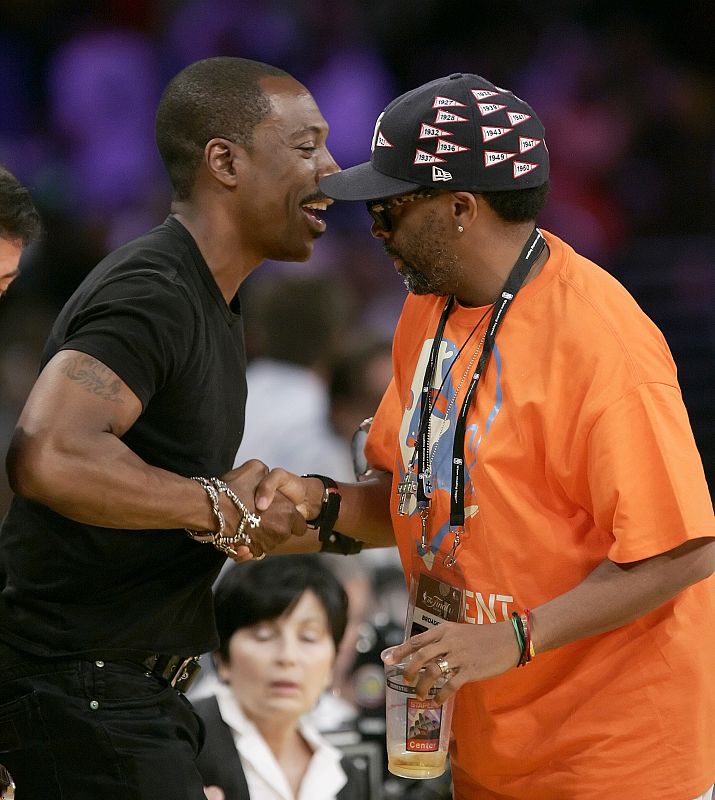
(530, 253)
(424, 490)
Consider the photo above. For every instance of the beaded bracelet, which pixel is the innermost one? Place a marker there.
(526, 620)
(213, 487)
(519, 631)
(522, 629)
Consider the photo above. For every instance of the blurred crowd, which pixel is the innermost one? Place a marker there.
(628, 100)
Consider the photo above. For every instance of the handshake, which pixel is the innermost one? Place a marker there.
(274, 509)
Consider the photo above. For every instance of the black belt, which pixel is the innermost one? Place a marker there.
(177, 671)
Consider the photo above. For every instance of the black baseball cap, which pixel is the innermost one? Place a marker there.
(459, 132)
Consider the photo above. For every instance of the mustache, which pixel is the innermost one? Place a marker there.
(315, 197)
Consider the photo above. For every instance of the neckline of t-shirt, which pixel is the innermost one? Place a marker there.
(464, 316)
(230, 315)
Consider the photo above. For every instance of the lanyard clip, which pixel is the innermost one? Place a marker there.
(424, 514)
(451, 558)
(426, 482)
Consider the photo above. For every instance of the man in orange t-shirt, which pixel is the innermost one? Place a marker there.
(538, 463)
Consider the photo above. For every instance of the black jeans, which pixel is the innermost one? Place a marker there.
(95, 730)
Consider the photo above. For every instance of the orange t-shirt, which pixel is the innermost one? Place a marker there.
(578, 448)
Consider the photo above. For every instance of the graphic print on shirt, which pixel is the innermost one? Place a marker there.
(441, 429)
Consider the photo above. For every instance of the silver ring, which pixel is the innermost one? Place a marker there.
(259, 557)
(444, 667)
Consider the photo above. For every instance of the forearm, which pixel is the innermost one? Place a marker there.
(614, 595)
(611, 596)
(364, 508)
(100, 481)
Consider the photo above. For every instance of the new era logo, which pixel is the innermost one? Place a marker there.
(439, 174)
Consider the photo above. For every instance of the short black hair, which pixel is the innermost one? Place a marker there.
(214, 97)
(19, 219)
(264, 590)
(518, 205)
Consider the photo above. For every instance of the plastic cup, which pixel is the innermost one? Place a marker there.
(417, 731)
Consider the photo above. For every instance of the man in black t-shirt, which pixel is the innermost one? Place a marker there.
(110, 547)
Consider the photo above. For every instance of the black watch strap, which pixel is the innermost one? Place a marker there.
(331, 541)
(330, 508)
(341, 544)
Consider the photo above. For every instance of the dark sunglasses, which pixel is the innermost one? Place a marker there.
(379, 208)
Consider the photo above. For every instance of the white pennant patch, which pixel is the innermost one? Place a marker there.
(527, 144)
(493, 132)
(482, 94)
(376, 131)
(523, 168)
(485, 109)
(449, 147)
(448, 116)
(430, 132)
(516, 117)
(422, 157)
(382, 141)
(446, 102)
(492, 157)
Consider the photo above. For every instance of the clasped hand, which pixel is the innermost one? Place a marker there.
(280, 517)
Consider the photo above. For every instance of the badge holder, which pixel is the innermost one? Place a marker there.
(432, 600)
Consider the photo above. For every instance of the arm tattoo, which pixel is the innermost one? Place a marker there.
(94, 377)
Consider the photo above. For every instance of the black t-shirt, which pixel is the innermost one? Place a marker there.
(153, 313)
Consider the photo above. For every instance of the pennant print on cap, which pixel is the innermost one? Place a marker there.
(492, 157)
(449, 147)
(493, 132)
(382, 141)
(485, 109)
(482, 94)
(446, 102)
(430, 132)
(523, 168)
(376, 132)
(527, 144)
(516, 117)
(422, 157)
(448, 116)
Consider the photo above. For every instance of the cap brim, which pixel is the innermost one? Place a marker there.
(364, 182)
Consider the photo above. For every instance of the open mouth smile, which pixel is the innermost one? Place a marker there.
(310, 210)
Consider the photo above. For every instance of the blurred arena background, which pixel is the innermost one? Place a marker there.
(627, 94)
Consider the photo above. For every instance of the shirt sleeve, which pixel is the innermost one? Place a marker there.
(645, 474)
(382, 440)
(140, 326)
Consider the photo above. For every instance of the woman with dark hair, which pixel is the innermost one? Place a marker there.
(280, 622)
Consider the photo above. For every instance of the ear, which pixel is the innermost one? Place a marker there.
(220, 666)
(221, 157)
(465, 209)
